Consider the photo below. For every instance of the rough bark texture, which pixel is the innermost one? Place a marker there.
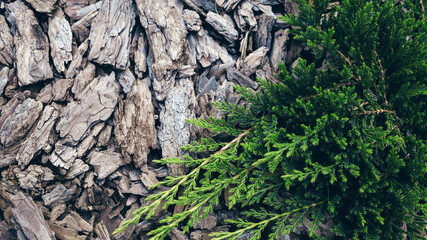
(42, 5)
(166, 33)
(26, 215)
(91, 92)
(7, 53)
(96, 103)
(19, 122)
(174, 132)
(110, 33)
(41, 138)
(135, 129)
(60, 37)
(32, 46)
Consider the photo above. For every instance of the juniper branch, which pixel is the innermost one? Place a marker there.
(149, 210)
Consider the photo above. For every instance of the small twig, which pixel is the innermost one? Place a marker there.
(358, 78)
(377, 112)
(423, 11)
(361, 105)
(382, 78)
(330, 89)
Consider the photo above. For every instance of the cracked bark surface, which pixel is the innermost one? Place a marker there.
(41, 138)
(7, 53)
(60, 37)
(166, 33)
(135, 129)
(96, 103)
(27, 217)
(19, 122)
(223, 26)
(45, 6)
(34, 178)
(110, 33)
(31, 44)
(174, 132)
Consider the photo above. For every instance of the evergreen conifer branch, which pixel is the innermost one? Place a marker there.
(351, 138)
(170, 193)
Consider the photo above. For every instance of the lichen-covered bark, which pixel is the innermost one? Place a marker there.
(174, 132)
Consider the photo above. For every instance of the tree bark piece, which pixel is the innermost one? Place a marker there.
(245, 16)
(254, 61)
(127, 233)
(265, 27)
(7, 48)
(27, 217)
(227, 5)
(34, 178)
(41, 138)
(192, 20)
(174, 132)
(135, 125)
(45, 6)
(60, 37)
(222, 26)
(278, 50)
(78, 9)
(110, 33)
(141, 54)
(74, 221)
(208, 50)
(55, 91)
(63, 233)
(81, 28)
(4, 78)
(19, 123)
(126, 79)
(148, 178)
(205, 85)
(83, 79)
(96, 103)
(32, 45)
(101, 231)
(105, 163)
(63, 156)
(166, 32)
(77, 168)
(89, 141)
(8, 156)
(76, 63)
(60, 194)
(241, 79)
(201, 6)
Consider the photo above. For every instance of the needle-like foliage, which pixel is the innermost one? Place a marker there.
(348, 142)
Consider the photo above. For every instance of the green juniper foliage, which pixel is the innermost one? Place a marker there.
(348, 142)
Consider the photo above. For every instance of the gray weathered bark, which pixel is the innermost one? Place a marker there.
(110, 33)
(166, 32)
(60, 37)
(31, 43)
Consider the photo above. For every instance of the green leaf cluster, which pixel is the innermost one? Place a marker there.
(348, 142)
